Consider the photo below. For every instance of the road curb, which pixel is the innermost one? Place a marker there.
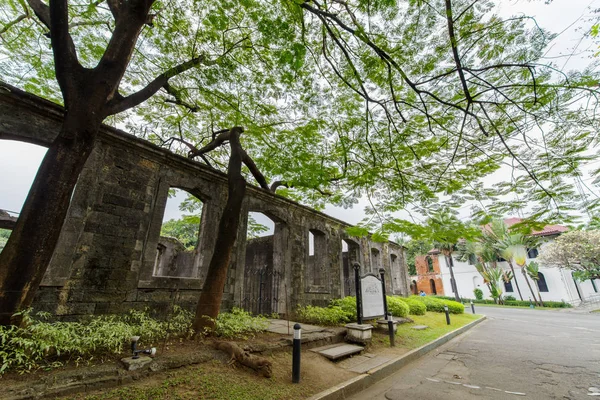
(361, 382)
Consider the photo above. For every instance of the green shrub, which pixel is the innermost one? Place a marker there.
(397, 306)
(436, 304)
(454, 307)
(548, 304)
(41, 344)
(239, 323)
(332, 315)
(509, 298)
(348, 304)
(416, 307)
(478, 294)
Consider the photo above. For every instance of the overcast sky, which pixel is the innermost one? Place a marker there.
(19, 161)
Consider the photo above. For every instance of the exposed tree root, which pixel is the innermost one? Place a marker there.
(259, 364)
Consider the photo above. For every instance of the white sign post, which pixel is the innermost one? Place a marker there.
(372, 297)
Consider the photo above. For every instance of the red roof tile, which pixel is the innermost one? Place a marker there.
(548, 229)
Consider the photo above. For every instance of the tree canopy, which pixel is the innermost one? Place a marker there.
(408, 103)
(576, 250)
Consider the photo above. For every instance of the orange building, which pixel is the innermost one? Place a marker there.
(429, 278)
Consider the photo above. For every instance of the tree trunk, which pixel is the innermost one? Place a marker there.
(515, 276)
(529, 284)
(450, 265)
(26, 256)
(539, 294)
(212, 290)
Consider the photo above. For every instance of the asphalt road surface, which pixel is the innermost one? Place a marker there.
(514, 354)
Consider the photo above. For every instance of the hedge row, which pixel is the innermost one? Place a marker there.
(341, 311)
(525, 303)
(436, 304)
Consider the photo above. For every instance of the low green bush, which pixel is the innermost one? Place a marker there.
(455, 307)
(397, 306)
(509, 298)
(478, 294)
(332, 315)
(526, 303)
(42, 344)
(39, 343)
(239, 323)
(348, 304)
(416, 307)
(436, 304)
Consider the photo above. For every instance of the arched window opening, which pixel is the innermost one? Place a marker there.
(350, 255)
(542, 285)
(263, 260)
(317, 258)
(16, 184)
(259, 225)
(532, 253)
(432, 286)
(375, 261)
(176, 253)
(429, 264)
(413, 287)
(508, 287)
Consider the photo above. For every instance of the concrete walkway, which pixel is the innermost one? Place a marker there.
(517, 353)
(285, 327)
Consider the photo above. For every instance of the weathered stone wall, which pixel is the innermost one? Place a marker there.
(106, 258)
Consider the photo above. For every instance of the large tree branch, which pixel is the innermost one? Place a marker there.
(454, 44)
(249, 162)
(41, 10)
(120, 103)
(65, 55)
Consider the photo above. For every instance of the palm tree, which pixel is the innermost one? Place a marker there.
(445, 230)
(498, 236)
(494, 276)
(518, 248)
(533, 270)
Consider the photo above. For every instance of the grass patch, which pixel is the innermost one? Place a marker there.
(217, 381)
(411, 338)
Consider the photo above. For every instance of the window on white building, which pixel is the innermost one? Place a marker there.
(532, 253)
(542, 285)
(508, 286)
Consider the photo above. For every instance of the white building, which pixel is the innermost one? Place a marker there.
(555, 284)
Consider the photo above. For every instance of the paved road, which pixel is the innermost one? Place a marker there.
(516, 353)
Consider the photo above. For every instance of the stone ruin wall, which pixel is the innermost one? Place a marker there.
(110, 257)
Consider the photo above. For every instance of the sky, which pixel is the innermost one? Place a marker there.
(569, 18)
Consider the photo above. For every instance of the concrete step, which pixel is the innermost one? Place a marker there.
(337, 351)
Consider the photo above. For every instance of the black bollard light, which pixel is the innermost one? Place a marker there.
(447, 314)
(390, 322)
(134, 352)
(472, 307)
(385, 306)
(296, 354)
